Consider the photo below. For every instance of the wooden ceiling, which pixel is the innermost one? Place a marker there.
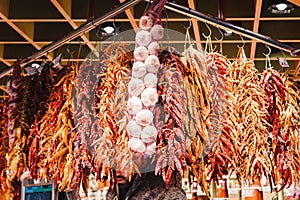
(27, 26)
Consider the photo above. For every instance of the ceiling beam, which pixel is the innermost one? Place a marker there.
(195, 25)
(65, 7)
(130, 16)
(297, 65)
(5, 62)
(258, 6)
(25, 30)
(3, 87)
(296, 2)
(2, 56)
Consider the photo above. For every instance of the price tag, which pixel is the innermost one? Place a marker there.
(189, 195)
(234, 190)
(248, 192)
(266, 189)
(283, 63)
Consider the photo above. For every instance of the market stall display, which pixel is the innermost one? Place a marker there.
(194, 112)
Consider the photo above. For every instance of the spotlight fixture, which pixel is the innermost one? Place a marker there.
(280, 7)
(34, 67)
(108, 28)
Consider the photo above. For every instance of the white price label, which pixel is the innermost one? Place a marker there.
(248, 193)
(234, 190)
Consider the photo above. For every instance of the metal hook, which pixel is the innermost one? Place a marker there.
(190, 25)
(167, 28)
(267, 54)
(268, 62)
(220, 40)
(242, 41)
(210, 32)
(222, 35)
(187, 35)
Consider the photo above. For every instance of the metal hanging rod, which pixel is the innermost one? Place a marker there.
(227, 26)
(77, 32)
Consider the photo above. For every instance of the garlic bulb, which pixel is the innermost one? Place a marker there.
(145, 22)
(150, 148)
(134, 105)
(143, 38)
(133, 129)
(135, 87)
(136, 145)
(157, 32)
(144, 117)
(153, 48)
(149, 134)
(152, 63)
(150, 80)
(140, 53)
(149, 97)
(139, 69)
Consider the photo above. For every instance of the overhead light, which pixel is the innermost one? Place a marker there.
(280, 7)
(35, 65)
(109, 29)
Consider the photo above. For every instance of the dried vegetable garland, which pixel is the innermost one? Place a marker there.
(3, 146)
(85, 119)
(197, 110)
(289, 123)
(20, 118)
(223, 128)
(47, 124)
(142, 86)
(118, 67)
(168, 117)
(41, 90)
(284, 122)
(217, 65)
(59, 157)
(251, 156)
